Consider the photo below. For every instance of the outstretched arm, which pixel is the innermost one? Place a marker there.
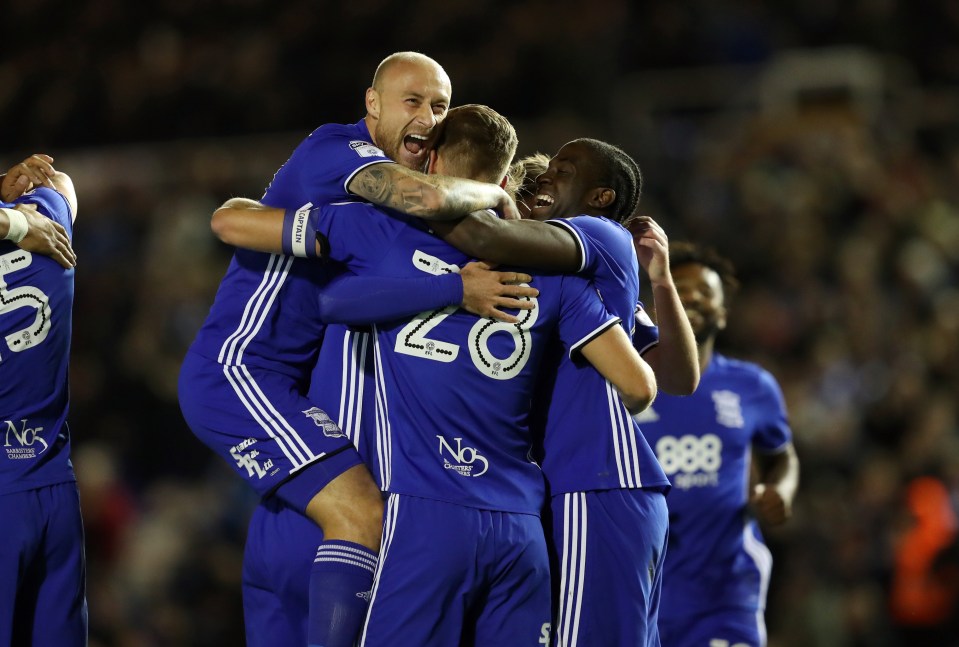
(613, 355)
(432, 197)
(526, 243)
(359, 300)
(248, 224)
(674, 359)
(772, 497)
(245, 223)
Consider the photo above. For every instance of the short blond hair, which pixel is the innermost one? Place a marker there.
(523, 173)
(477, 142)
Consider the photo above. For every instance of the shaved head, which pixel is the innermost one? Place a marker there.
(407, 58)
(409, 97)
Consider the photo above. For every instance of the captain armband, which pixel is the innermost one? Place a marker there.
(299, 233)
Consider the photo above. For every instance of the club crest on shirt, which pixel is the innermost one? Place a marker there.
(729, 410)
(366, 149)
(323, 421)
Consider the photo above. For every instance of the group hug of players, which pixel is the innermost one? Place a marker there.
(438, 399)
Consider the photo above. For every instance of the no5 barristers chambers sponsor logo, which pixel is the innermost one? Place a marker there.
(465, 461)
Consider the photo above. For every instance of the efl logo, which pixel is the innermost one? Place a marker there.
(464, 458)
(366, 149)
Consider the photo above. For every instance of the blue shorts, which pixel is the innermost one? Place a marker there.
(722, 628)
(261, 425)
(280, 548)
(42, 568)
(455, 575)
(609, 550)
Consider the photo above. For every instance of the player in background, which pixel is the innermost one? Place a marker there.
(717, 572)
(42, 570)
(456, 442)
(522, 184)
(242, 381)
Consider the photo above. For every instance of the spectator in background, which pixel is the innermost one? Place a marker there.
(924, 594)
(717, 567)
(42, 570)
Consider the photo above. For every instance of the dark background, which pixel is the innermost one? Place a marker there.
(815, 143)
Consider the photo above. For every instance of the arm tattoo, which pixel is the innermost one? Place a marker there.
(383, 185)
(393, 186)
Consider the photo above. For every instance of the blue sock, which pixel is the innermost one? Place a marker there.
(340, 584)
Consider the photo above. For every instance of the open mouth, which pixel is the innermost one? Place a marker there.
(543, 200)
(415, 144)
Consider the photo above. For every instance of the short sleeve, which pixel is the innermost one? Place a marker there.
(645, 333)
(773, 433)
(51, 204)
(600, 241)
(322, 167)
(583, 317)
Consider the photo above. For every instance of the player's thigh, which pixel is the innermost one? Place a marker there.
(722, 628)
(610, 546)
(61, 593)
(516, 607)
(280, 547)
(426, 572)
(256, 420)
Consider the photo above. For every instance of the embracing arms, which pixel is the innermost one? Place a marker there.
(248, 224)
(23, 224)
(429, 197)
(528, 243)
(613, 355)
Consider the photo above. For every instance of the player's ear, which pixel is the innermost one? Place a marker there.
(431, 163)
(373, 103)
(502, 183)
(601, 197)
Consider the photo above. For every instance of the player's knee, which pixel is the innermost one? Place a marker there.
(350, 508)
(359, 520)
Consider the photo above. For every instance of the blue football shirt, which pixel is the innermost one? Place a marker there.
(453, 391)
(590, 442)
(716, 556)
(36, 313)
(265, 312)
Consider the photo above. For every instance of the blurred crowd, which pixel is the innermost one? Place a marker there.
(842, 220)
